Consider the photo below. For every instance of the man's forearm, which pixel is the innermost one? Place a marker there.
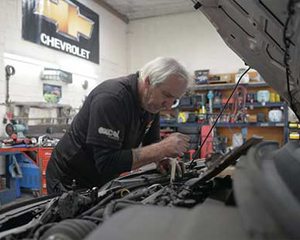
(145, 155)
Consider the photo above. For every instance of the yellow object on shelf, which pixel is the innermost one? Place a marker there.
(182, 117)
(202, 110)
(272, 97)
(294, 136)
(294, 125)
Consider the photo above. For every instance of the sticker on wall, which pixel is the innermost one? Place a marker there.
(63, 25)
(51, 93)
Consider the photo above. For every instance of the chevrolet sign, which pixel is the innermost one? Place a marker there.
(64, 25)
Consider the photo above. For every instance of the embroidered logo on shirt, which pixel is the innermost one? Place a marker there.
(109, 133)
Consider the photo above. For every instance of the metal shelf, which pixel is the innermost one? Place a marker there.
(248, 105)
(267, 104)
(255, 105)
(40, 105)
(258, 105)
(226, 86)
(262, 124)
(180, 124)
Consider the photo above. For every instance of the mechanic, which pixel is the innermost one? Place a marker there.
(117, 128)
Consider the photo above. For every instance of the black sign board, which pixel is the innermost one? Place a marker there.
(63, 25)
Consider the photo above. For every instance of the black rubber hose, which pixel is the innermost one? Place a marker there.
(75, 229)
(117, 205)
(99, 205)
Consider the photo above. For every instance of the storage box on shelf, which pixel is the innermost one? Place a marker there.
(294, 131)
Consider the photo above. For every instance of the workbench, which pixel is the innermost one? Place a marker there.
(34, 154)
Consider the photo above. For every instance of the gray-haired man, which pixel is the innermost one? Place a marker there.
(117, 129)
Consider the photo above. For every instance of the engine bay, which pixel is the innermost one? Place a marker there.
(73, 215)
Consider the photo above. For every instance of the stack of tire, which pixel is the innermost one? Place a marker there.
(194, 133)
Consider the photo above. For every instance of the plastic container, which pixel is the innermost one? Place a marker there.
(18, 190)
(245, 78)
(275, 115)
(31, 176)
(263, 96)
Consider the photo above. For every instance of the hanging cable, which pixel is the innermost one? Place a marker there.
(217, 119)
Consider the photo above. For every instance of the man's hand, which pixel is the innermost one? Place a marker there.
(175, 145)
(164, 167)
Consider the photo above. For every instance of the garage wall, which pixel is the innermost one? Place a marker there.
(29, 59)
(123, 48)
(190, 37)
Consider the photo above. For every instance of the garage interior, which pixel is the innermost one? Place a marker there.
(239, 173)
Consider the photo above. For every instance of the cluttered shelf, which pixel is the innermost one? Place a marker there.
(32, 130)
(254, 109)
(225, 124)
(224, 86)
(247, 105)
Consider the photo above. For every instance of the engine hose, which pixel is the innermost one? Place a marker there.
(137, 194)
(42, 229)
(98, 213)
(117, 205)
(94, 219)
(71, 229)
(96, 207)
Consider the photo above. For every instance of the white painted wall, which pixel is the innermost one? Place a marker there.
(26, 85)
(123, 48)
(189, 37)
(113, 58)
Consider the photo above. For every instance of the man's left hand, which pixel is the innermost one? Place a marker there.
(164, 167)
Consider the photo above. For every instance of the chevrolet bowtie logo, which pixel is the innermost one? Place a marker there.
(66, 16)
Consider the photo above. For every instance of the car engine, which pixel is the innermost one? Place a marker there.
(73, 215)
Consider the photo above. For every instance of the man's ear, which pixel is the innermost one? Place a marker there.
(147, 82)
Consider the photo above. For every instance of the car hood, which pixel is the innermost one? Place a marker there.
(265, 34)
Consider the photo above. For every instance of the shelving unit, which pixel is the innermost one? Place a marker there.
(58, 120)
(277, 131)
(224, 86)
(267, 124)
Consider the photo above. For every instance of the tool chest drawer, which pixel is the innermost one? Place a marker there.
(44, 154)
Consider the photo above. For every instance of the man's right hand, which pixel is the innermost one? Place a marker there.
(175, 145)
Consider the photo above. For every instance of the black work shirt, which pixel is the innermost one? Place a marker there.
(111, 121)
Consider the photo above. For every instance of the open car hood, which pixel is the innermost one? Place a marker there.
(266, 35)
